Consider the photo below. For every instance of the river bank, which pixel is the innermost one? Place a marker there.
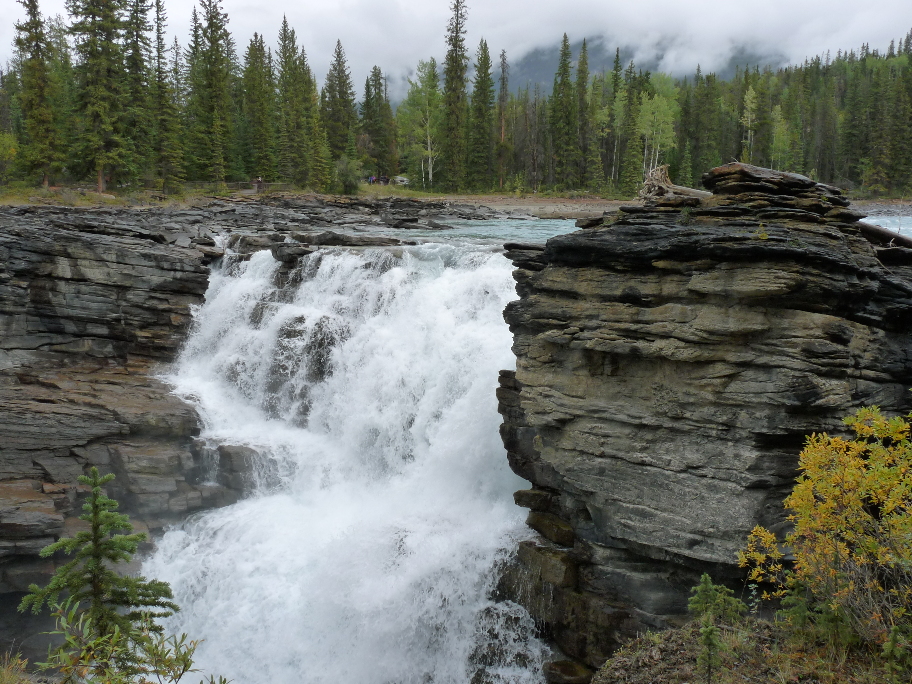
(537, 206)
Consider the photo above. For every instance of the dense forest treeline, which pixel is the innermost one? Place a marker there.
(106, 97)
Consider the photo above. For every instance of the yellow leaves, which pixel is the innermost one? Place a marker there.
(852, 536)
(764, 560)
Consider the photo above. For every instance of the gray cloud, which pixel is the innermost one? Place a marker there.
(673, 35)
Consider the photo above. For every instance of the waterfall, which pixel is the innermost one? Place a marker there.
(368, 549)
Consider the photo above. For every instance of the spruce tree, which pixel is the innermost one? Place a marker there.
(337, 104)
(114, 600)
(294, 109)
(615, 124)
(481, 123)
(631, 173)
(378, 134)
(137, 120)
(564, 122)
(584, 123)
(453, 126)
(167, 150)
(321, 170)
(503, 147)
(63, 85)
(259, 109)
(594, 171)
(98, 27)
(901, 133)
(685, 168)
(42, 151)
(209, 81)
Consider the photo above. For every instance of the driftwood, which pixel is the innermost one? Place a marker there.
(884, 236)
(658, 185)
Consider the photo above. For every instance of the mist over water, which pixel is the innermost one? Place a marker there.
(382, 504)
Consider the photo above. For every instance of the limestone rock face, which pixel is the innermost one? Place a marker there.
(90, 303)
(670, 365)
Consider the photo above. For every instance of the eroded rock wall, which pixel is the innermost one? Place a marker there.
(88, 308)
(670, 364)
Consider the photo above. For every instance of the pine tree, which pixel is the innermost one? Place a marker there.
(294, 103)
(337, 104)
(137, 122)
(167, 152)
(98, 26)
(43, 149)
(481, 123)
(114, 600)
(584, 125)
(455, 66)
(259, 109)
(503, 147)
(564, 122)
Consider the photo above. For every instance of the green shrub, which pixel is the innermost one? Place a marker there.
(107, 620)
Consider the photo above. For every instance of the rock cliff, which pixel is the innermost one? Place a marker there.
(89, 304)
(670, 363)
(84, 316)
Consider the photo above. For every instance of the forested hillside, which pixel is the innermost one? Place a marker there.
(103, 96)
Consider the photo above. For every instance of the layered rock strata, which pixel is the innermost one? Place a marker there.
(89, 305)
(670, 364)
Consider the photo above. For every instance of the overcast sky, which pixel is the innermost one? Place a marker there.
(395, 34)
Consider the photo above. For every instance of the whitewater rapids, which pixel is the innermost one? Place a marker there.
(382, 505)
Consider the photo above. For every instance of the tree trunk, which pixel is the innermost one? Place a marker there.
(658, 184)
(101, 180)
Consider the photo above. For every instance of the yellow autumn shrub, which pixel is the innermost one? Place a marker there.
(852, 538)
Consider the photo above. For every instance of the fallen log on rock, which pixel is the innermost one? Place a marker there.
(659, 186)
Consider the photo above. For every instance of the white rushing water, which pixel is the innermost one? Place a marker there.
(367, 553)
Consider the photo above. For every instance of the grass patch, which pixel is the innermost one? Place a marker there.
(753, 651)
(12, 669)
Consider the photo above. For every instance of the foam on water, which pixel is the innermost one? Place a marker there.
(368, 552)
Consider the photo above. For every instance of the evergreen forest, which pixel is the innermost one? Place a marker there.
(103, 97)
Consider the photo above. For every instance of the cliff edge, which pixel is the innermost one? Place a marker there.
(670, 364)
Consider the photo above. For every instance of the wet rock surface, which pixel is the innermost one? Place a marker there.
(91, 303)
(670, 363)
